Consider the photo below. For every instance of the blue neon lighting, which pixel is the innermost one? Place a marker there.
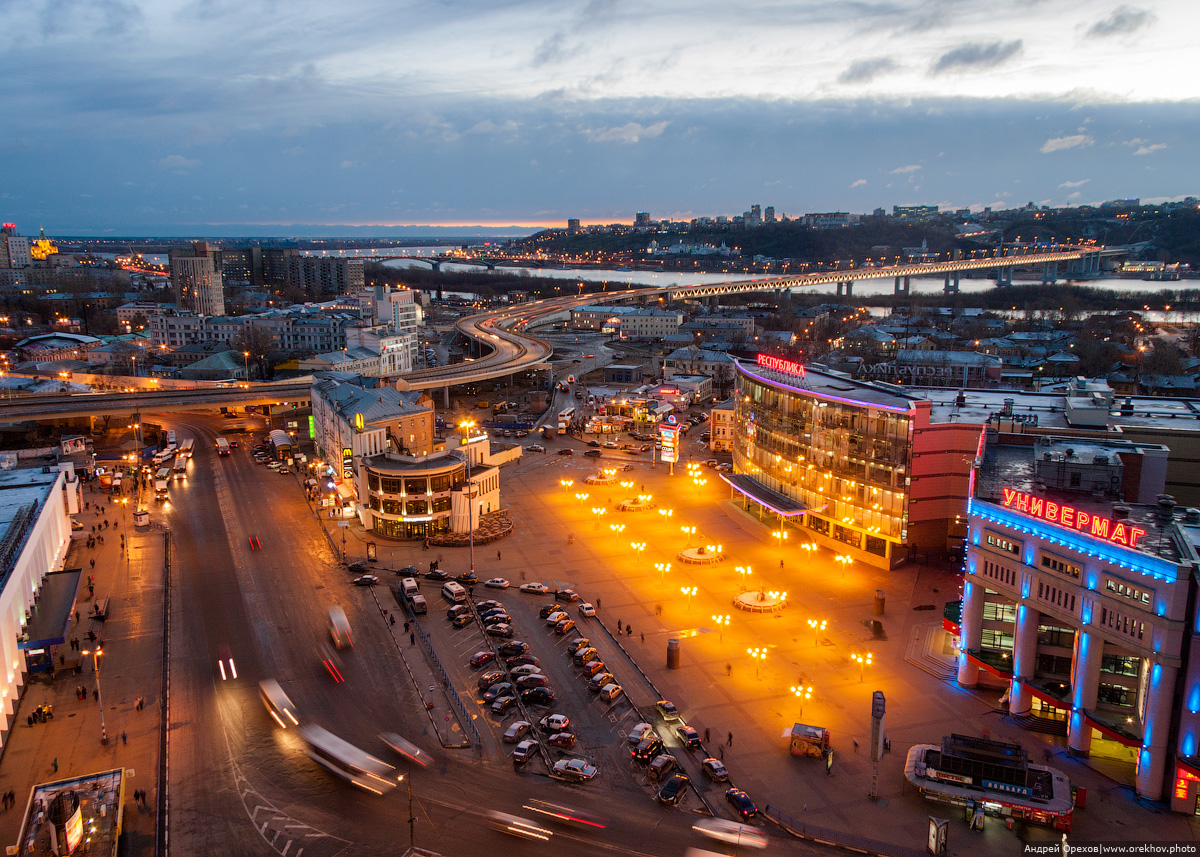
(1193, 699)
(1085, 612)
(1189, 744)
(1132, 559)
(1025, 586)
(1093, 579)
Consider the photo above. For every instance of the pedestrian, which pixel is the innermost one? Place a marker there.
(406, 627)
(628, 630)
(729, 740)
(91, 589)
(55, 764)
(93, 562)
(618, 626)
(76, 615)
(96, 694)
(412, 639)
(855, 745)
(728, 669)
(643, 637)
(721, 752)
(597, 603)
(781, 565)
(497, 556)
(124, 737)
(392, 619)
(706, 735)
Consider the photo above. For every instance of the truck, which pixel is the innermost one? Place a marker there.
(548, 433)
(222, 446)
(180, 466)
(186, 447)
(160, 489)
(809, 740)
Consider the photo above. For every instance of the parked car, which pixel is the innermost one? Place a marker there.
(541, 696)
(525, 751)
(673, 789)
(639, 733)
(574, 769)
(468, 578)
(490, 678)
(457, 610)
(667, 709)
(520, 660)
(503, 703)
(437, 574)
(487, 604)
(582, 656)
(715, 770)
(462, 620)
(496, 691)
(365, 580)
(535, 588)
(566, 595)
(496, 583)
(496, 619)
(564, 626)
(502, 630)
(480, 659)
(408, 571)
(555, 617)
(359, 567)
(546, 609)
(577, 644)
(532, 680)
(562, 740)
(599, 680)
(594, 443)
(586, 609)
(552, 723)
(647, 749)
(689, 737)
(526, 669)
(661, 766)
(741, 803)
(513, 648)
(516, 731)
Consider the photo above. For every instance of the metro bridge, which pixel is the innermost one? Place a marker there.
(511, 349)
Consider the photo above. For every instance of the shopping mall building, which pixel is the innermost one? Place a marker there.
(862, 468)
(1080, 606)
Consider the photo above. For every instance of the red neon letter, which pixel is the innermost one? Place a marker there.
(1134, 532)
(1051, 512)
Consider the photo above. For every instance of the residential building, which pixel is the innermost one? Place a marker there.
(322, 278)
(222, 366)
(199, 287)
(14, 248)
(650, 323)
(830, 220)
(46, 347)
(697, 361)
(720, 426)
(914, 212)
(599, 317)
(354, 360)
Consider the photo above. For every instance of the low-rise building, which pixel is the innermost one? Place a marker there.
(598, 317)
(650, 323)
(720, 427)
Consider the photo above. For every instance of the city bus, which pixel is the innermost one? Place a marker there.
(347, 761)
(171, 443)
(180, 466)
(278, 704)
(185, 448)
(564, 420)
(222, 446)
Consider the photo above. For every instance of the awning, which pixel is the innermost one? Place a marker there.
(783, 506)
(345, 490)
(56, 603)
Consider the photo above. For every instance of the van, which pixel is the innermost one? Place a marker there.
(610, 692)
(454, 592)
(419, 606)
(339, 628)
(409, 585)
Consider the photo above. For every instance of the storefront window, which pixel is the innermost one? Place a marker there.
(414, 486)
(441, 504)
(392, 507)
(372, 480)
(390, 485)
(416, 507)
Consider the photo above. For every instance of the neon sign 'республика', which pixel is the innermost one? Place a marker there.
(791, 367)
(1117, 532)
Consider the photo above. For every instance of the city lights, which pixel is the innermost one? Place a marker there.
(689, 591)
(745, 571)
(818, 625)
(802, 693)
(566, 484)
(864, 661)
(845, 561)
(759, 655)
(722, 622)
(662, 568)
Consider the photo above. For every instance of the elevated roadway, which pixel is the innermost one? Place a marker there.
(510, 347)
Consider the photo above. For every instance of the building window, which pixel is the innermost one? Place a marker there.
(997, 639)
(416, 507)
(390, 485)
(1115, 694)
(392, 507)
(1050, 635)
(1004, 544)
(1120, 664)
(372, 481)
(1127, 591)
(1060, 565)
(414, 486)
(441, 504)
(999, 612)
(1053, 665)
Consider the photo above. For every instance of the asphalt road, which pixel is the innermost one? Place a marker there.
(239, 785)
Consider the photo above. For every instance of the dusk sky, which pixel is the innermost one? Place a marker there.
(127, 117)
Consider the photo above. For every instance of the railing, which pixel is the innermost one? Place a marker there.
(439, 673)
(825, 836)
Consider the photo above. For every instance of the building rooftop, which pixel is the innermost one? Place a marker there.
(833, 385)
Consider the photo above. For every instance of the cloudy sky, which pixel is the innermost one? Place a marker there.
(174, 117)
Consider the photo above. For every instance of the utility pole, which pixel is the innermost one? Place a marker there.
(412, 819)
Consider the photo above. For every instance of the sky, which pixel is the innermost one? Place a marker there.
(291, 117)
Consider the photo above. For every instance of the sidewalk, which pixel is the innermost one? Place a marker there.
(130, 667)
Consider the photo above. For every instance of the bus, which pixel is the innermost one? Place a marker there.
(222, 446)
(180, 466)
(171, 443)
(564, 420)
(278, 704)
(185, 448)
(347, 761)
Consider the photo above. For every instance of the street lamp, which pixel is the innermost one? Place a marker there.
(638, 547)
(666, 513)
(864, 661)
(722, 623)
(662, 568)
(246, 363)
(845, 561)
(627, 485)
(780, 536)
(466, 426)
(689, 591)
(96, 653)
(758, 654)
(617, 528)
(802, 693)
(744, 571)
(689, 532)
(598, 511)
(818, 625)
(566, 484)
(581, 497)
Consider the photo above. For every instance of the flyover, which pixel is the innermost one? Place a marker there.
(503, 333)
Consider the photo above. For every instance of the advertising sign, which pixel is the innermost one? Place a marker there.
(669, 436)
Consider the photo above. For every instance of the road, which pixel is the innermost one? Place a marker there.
(239, 785)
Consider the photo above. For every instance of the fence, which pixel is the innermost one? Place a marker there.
(439, 673)
(848, 841)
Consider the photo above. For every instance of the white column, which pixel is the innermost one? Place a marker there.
(1152, 758)
(1085, 684)
(1020, 701)
(970, 632)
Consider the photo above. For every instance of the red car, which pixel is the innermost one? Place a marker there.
(480, 658)
(562, 740)
(566, 451)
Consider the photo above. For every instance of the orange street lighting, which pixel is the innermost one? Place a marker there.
(617, 528)
(845, 561)
(582, 497)
(662, 568)
(744, 571)
(759, 654)
(722, 622)
(689, 591)
(864, 661)
(666, 513)
(566, 483)
(802, 693)
(818, 625)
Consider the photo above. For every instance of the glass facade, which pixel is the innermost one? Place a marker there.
(414, 505)
(847, 462)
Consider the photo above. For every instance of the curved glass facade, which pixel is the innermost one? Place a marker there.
(846, 461)
(407, 503)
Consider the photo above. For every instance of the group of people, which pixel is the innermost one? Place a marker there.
(9, 799)
(81, 693)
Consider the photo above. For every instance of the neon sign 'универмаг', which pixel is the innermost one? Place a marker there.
(1117, 532)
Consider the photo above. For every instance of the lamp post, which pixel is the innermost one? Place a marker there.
(864, 661)
(689, 532)
(638, 547)
(781, 537)
(759, 654)
(246, 364)
(598, 511)
(96, 653)
(689, 591)
(617, 528)
(845, 561)
(818, 625)
(581, 497)
(722, 623)
(744, 571)
(125, 527)
(466, 426)
(662, 568)
(566, 484)
(802, 693)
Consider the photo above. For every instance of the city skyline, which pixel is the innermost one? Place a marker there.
(200, 117)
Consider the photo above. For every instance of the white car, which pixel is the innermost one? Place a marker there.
(610, 444)
(535, 588)
(732, 832)
(554, 618)
(536, 447)
(553, 723)
(574, 769)
(496, 583)
(517, 731)
(639, 732)
(586, 609)
(526, 669)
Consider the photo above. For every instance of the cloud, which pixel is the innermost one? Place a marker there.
(1074, 195)
(487, 126)
(864, 71)
(859, 183)
(550, 50)
(1073, 141)
(178, 163)
(1153, 147)
(630, 132)
(910, 168)
(1079, 183)
(977, 55)
(1124, 19)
